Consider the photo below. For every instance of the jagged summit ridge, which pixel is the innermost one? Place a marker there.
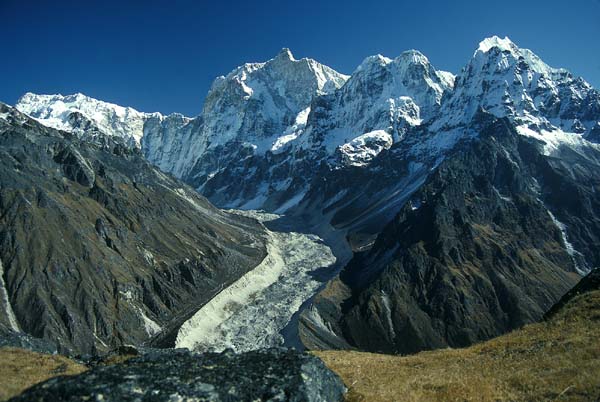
(507, 45)
(283, 63)
(274, 92)
(496, 42)
(88, 117)
(508, 81)
(369, 113)
(246, 112)
(285, 53)
(304, 114)
(382, 98)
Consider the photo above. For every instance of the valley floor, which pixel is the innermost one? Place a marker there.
(558, 360)
(253, 311)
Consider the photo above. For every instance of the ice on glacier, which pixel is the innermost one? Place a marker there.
(251, 313)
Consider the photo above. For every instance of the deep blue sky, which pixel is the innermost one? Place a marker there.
(163, 55)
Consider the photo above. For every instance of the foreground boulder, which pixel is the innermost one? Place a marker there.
(180, 375)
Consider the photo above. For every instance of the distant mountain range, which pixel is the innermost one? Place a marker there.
(471, 202)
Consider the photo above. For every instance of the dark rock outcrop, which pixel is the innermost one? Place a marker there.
(589, 283)
(479, 250)
(179, 375)
(14, 339)
(75, 166)
(100, 249)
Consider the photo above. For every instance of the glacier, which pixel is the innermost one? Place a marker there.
(252, 312)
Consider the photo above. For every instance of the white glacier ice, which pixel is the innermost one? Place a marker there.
(252, 312)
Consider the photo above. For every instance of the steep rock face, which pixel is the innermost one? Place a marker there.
(381, 99)
(98, 248)
(481, 248)
(244, 112)
(266, 375)
(165, 138)
(551, 108)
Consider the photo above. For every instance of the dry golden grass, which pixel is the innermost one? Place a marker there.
(551, 361)
(20, 369)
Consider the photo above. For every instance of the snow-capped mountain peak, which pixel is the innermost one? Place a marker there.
(496, 42)
(509, 81)
(285, 54)
(513, 52)
(82, 114)
(384, 94)
(534, 62)
(250, 111)
(412, 57)
(265, 127)
(370, 61)
(257, 102)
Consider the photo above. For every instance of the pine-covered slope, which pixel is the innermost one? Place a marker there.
(98, 248)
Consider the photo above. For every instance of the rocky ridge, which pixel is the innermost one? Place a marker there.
(98, 248)
(477, 250)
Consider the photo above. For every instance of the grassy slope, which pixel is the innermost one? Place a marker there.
(557, 360)
(20, 369)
